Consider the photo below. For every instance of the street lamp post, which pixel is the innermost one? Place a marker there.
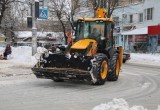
(34, 30)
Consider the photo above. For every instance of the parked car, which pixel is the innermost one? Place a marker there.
(16, 44)
(126, 56)
(3, 44)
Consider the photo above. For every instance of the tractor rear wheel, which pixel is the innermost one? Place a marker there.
(100, 70)
(115, 68)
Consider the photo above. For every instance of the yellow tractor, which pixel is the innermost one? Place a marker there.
(91, 56)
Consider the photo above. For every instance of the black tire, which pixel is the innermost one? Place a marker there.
(112, 75)
(58, 80)
(100, 69)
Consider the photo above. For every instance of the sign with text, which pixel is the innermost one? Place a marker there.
(140, 38)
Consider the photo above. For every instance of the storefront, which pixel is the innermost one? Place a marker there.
(154, 38)
(138, 43)
(136, 40)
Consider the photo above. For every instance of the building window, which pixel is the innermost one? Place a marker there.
(124, 16)
(116, 20)
(140, 0)
(130, 18)
(141, 17)
(131, 1)
(149, 14)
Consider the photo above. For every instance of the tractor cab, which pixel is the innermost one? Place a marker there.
(98, 29)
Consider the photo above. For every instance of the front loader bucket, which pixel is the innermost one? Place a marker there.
(59, 65)
(65, 73)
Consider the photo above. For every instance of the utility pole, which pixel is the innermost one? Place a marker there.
(34, 30)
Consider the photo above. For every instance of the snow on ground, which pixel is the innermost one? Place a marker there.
(18, 63)
(119, 104)
(1, 49)
(158, 107)
(145, 85)
(23, 55)
(20, 57)
(150, 59)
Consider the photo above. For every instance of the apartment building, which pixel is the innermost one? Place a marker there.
(132, 18)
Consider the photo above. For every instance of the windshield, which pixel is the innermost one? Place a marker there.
(90, 30)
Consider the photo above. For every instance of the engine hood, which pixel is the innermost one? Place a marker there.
(82, 44)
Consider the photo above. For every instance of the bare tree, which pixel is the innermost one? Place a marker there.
(9, 24)
(21, 12)
(70, 14)
(57, 9)
(13, 18)
(110, 5)
(4, 5)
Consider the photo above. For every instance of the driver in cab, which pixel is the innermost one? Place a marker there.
(95, 35)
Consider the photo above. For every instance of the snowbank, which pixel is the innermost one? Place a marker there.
(1, 50)
(20, 56)
(23, 55)
(24, 34)
(145, 58)
(118, 104)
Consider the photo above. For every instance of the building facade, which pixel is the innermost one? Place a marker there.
(137, 14)
(132, 19)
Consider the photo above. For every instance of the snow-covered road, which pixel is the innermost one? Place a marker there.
(138, 85)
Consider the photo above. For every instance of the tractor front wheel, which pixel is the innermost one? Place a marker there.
(100, 69)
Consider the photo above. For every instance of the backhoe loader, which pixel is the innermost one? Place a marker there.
(91, 56)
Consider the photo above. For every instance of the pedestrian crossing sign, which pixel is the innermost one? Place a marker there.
(43, 14)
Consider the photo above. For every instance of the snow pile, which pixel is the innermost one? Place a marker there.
(1, 50)
(117, 104)
(23, 55)
(145, 58)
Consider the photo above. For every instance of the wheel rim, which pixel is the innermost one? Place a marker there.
(103, 70)
(117, 68)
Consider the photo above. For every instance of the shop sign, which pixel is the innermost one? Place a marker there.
(138, 39)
